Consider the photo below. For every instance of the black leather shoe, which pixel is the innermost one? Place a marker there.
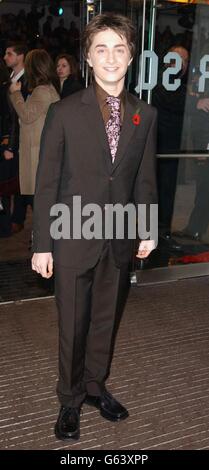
(186, 234)
(167, 240)
(196, 236)
(68, 424)
(109, 407)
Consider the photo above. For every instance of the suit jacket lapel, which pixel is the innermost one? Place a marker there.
(127, 131)
(94, 121)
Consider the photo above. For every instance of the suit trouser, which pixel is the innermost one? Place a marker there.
(199, 218)
(21, 202)
(5, 217)
(90, 304)
(167, 178)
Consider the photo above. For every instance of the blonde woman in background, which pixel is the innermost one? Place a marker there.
(44, 90)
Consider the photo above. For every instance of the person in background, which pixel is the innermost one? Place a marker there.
(47, 26)
(68, 73)
(170, 106)
(198, 221)
(74, 39)
(14, 57)
(8, 153)
(43, 87)
(33, 18)
(92, 148)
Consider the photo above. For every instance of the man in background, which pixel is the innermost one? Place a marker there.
(14, 58)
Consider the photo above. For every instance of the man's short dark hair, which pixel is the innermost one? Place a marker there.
(120, 24)
(18, 47)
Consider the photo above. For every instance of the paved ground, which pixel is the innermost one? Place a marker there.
(160, 372)
(17, 246)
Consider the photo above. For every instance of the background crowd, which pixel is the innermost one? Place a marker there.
(38, 66)
(26, 28)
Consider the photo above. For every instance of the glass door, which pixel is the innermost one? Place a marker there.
(172, 74)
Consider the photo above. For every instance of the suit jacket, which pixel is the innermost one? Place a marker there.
(5, 112)
(13, 144)
(75, 160)
(9, 127)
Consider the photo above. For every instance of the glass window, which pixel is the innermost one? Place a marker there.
(172, 73)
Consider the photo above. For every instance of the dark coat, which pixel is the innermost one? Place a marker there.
(8, 141)
(171, 108)
(70, 86)
(5, 111)
(75, 160)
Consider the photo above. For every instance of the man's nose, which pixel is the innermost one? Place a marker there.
(111, 57)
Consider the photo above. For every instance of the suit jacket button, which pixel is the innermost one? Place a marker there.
(111, 178)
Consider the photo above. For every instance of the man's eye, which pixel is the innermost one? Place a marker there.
(100, 50)
(121, 51)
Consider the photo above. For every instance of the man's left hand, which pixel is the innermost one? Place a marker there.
(8, 155)
(145, 248)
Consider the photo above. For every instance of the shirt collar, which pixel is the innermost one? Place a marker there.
(102, 94)
(17, 77)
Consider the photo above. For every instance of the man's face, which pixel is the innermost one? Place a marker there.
(183, 53)
(184, 56)
(109, 55)
(11, 58)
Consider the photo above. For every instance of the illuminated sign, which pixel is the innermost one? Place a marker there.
(206, 2)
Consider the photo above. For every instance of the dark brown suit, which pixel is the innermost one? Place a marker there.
(75, 160)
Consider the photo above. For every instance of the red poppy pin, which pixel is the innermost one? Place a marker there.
(136, 119)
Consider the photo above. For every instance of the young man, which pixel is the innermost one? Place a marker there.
(14, 58)
(92, 148)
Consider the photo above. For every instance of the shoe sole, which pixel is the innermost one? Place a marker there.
(63, 437)
(114, 419)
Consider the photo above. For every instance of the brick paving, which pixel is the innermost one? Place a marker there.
(160, 372)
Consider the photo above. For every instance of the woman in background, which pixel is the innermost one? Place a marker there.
(44, 88)
(68, 73)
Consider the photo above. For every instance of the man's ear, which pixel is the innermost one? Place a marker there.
(88, 60)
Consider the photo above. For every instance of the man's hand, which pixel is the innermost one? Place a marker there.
(15, 86)
(8, 155)
(42, 263)
(145, 248)
(203, 104)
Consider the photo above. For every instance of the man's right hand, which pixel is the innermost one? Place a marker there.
(8, 155)
(42, 263)
(203, 104)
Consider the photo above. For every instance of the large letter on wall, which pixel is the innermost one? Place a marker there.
(153, 69)
(172, 71)
(205, 73)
